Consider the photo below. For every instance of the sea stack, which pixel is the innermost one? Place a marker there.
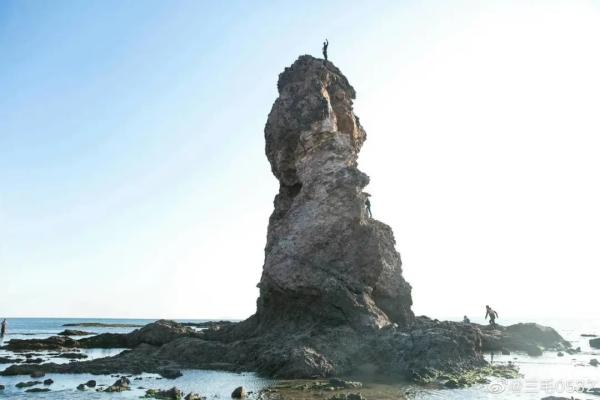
(326, 261)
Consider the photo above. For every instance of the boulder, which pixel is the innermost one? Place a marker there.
(238, 393)
(170, 373)
(37, 374)
(595, 343)
(159, 333)
(171, 394)
(594, 362)
(529, 338)
(48, 382)
(91, 383)
(194, 396)
(37, 390)
(120, 385)
(21, 385)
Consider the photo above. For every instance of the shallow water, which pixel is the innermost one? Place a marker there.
(212, 384)
(548, 375)
(542, 376)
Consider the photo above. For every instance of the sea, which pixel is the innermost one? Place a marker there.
(548, 375)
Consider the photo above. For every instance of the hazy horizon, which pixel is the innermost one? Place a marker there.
(134, 180)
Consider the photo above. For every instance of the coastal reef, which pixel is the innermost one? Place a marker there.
(333, 300)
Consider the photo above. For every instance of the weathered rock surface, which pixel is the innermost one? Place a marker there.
(595, 343)
(326, 261)
(529, 338)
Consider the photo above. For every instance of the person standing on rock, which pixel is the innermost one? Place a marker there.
(492, 314)
(325, 45)
(368, 206)
(3, 328)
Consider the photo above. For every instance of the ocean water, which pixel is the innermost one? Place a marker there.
(542, 376)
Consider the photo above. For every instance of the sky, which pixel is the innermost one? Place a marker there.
(133, 180)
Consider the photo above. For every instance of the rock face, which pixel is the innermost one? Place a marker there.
(326, 261)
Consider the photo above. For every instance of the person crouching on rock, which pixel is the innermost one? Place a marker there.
(466, 320)
(492, 314)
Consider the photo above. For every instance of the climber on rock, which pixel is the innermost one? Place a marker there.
(325, 45)
(368, 206)
(492, 314)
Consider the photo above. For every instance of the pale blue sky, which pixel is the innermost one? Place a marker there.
(132, 169)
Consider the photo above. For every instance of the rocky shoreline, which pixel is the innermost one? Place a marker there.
(427, 351)
(333, 300)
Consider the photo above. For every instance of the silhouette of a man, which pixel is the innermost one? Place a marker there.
(325, 45)
(368, 205)
(492, 314)
(3, 328)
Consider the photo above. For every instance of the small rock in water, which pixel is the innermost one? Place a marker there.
(348, 396)
(37, 374)
(81, 386)
(194, 396)
(91, 383)
(48, 382)
(588, 335)
(170, 373)
(171, 394)
(1, 387)
(120, 385)
(560, 354)
(239, 393)
(595, 343)
(21, 385)
(37, 390)
(534, 351)
(594, 362)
